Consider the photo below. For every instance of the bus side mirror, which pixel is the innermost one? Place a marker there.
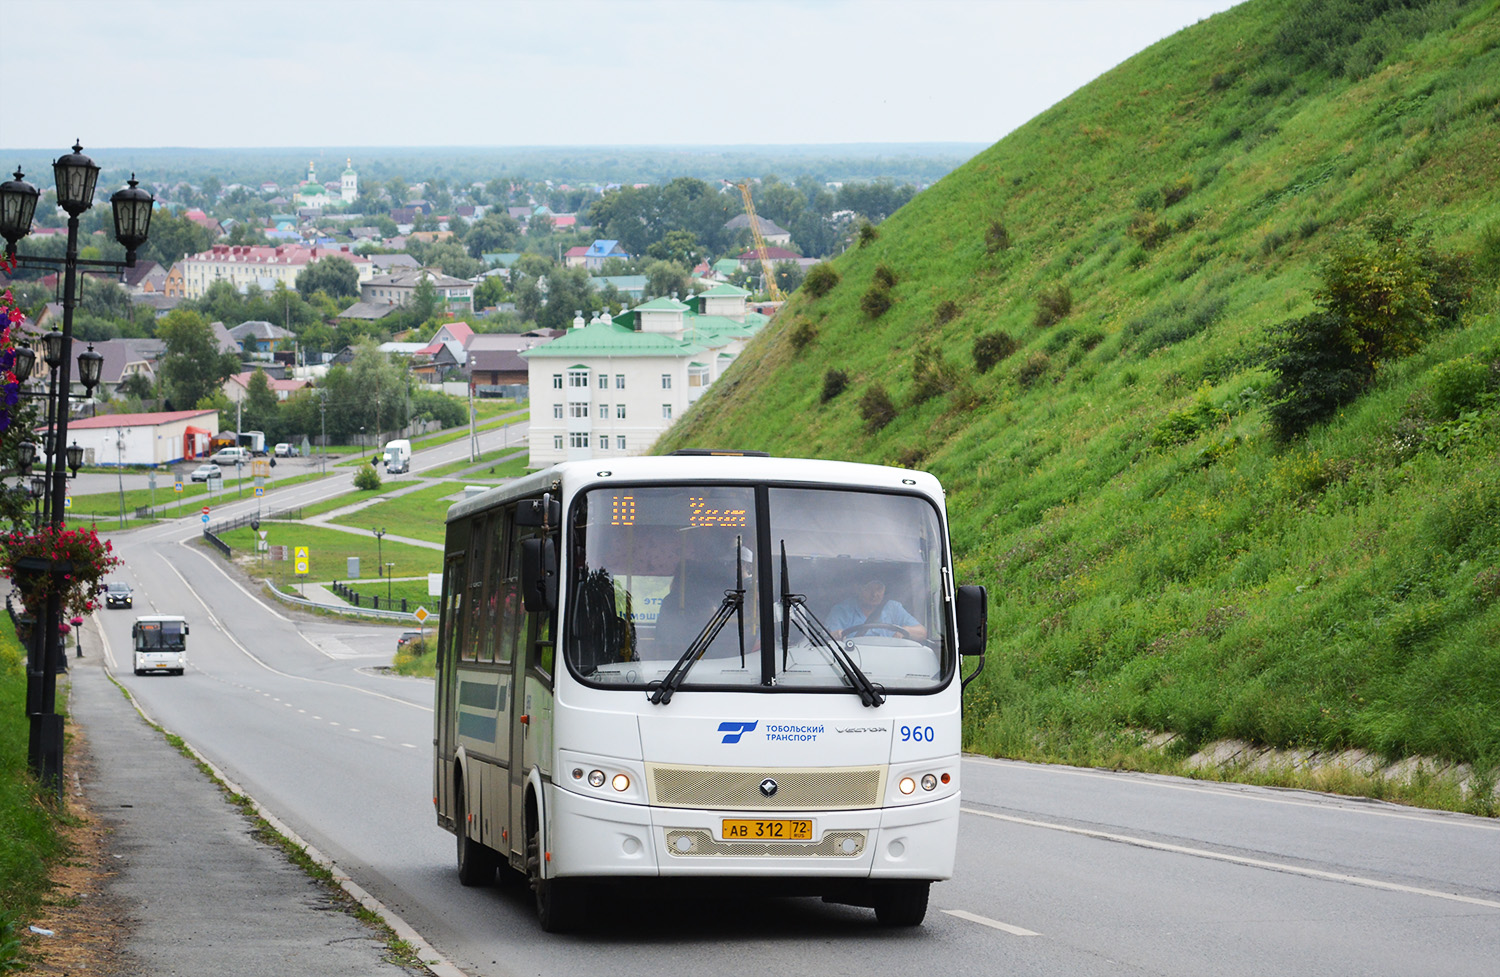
(539, 573)
(545, 511)
(973, 619)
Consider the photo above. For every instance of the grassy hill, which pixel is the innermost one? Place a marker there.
(1159, 559)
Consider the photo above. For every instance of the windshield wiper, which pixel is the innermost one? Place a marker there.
(660, 692)
(794, 611)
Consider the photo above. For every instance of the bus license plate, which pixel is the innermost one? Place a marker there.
(760, 829)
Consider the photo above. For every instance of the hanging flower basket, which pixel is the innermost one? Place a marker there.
(70, 562)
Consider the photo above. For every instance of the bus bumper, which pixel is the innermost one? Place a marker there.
(592, 837)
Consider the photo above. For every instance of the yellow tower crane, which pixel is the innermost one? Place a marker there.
(760, 243)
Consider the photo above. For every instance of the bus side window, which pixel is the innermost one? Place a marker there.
(506, 571)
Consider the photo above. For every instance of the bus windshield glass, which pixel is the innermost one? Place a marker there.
(676, 585)
(159, 636)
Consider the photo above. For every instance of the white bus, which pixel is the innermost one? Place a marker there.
(159, 643)
(701, 666)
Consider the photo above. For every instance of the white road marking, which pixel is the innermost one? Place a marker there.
(1231, 791)
(1312, 873)
(991, 923)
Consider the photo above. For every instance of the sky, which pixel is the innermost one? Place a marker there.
(427, 73)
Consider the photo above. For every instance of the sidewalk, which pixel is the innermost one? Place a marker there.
(202, 894)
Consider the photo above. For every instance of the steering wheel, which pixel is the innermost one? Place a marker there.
(860, 629)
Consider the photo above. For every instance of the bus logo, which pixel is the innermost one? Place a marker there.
(733, 731)
(768, 787)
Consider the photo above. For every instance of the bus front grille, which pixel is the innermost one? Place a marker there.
(766, 788)
(700, 842)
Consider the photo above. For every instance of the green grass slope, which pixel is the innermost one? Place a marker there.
(1156, 559)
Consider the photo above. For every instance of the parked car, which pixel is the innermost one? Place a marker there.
(117, 593)
(230, 456)
(204, 472)
(285, 450)
(408, 637)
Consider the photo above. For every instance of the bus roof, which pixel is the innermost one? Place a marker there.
(692, 468)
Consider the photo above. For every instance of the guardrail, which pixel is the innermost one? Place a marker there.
(300, 601)
(356, 598)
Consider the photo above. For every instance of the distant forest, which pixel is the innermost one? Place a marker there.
(919, 164)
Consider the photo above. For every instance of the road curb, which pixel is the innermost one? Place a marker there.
(428, 956)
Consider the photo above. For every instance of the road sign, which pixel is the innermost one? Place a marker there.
(421, 615)
(259, 491)
(177, 484)
(67, 502)
(205, 519)
(299, 560)
(205, 510)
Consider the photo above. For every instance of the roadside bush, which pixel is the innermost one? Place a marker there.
(820, 280)
(1052, 305)
(835, 382)
(947, 311)
(367, 478)
(876, 408)
(991, 348)
(996, 238)
(876, 302)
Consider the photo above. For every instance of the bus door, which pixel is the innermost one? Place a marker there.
(444, 721)
(531, 718)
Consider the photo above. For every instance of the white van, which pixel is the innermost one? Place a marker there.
(397, 456)
(160, 643)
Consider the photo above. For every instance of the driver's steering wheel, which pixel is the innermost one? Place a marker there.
(860, 629)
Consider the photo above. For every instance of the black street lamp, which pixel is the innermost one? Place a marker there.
(380, 559)
(76, 176)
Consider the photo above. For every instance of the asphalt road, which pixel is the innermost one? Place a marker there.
(1061, 871)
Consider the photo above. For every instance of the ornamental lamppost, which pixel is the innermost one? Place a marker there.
(75, 175)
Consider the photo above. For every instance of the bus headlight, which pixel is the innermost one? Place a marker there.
(596, 778)
(929, 782)
(907, 785)
(620, 782)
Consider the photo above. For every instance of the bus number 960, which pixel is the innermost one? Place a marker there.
(917, 734)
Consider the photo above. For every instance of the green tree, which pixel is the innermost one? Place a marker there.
(679, 247)
(192, 367)
(261, 412)
(494, 232)
(334, 276)
(667, 278)
(172, 237)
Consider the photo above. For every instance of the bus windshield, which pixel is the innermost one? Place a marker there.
(159, 636)
(676, 585)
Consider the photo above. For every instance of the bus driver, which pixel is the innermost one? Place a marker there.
(869, 607)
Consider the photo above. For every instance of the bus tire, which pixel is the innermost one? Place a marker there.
(476, 862)
(559, 902)
(901, 903)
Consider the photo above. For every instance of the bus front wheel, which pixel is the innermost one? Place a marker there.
(901, 903)
(476, 862)
(559, 902)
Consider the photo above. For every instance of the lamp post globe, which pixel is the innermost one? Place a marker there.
(132, 208)
(17, 207)
(76, 176)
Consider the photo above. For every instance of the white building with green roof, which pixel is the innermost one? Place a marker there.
(610, 387)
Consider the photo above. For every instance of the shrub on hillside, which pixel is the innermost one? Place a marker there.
(931, 375)
(1380, 297)
(835, 382)
(867, 234)
(996, 238)
(1176, 190)
(877, 408)
(803, 334)
(1033, 369)
(820, 280)
(991, 348)
(876, 302)
(1148, 229)
(1459, 385)
(884, 276)
(947, 311)
(367, 479)
(1052, 305)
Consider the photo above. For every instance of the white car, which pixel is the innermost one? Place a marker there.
(283, 450)
(230, 456)
(204, 472)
